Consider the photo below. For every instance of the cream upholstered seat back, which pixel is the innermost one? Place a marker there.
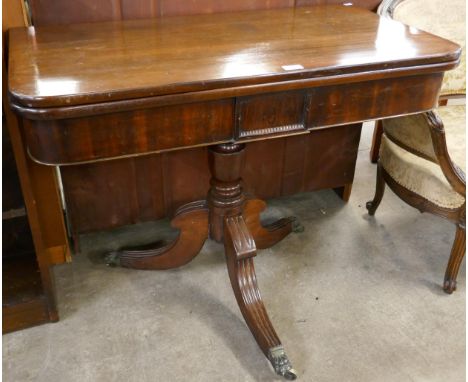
(413, 172)
(412, 133)
(444, 18)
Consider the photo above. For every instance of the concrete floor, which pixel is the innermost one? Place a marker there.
(353, 298)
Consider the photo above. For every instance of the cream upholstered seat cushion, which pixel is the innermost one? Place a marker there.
(419, 175)
(444, 18)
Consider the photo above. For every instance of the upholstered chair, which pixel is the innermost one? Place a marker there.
(422, 156)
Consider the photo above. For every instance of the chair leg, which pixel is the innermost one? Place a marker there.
(456, 257)
(376, 140)
(379, 192)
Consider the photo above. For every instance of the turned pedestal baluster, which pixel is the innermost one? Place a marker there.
(227, 216)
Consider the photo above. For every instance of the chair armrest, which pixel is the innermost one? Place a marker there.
(455, 176)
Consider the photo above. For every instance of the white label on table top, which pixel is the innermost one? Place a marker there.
(292, 67)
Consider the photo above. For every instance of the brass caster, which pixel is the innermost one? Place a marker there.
(280, 362)
(297, 227)
(112, 259)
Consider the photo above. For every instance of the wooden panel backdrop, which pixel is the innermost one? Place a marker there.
(47, 12)
(125, 191)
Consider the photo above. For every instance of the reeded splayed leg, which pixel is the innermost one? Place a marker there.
(240, 250)
(379, 192)
(455, 260)
(268, 235)
(192, 222)
(227, 210)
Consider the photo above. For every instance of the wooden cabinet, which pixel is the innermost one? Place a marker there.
(34, 236)
(22, 298)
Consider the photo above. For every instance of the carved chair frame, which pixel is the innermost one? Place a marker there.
(451, 171)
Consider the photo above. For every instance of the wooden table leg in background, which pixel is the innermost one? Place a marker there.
(227, 216)
(344, 192)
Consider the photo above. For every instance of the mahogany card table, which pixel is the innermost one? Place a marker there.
(100, 91)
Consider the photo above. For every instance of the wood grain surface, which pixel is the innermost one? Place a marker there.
(97, 62)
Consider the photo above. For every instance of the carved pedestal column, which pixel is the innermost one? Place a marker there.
(226, 196)
(227, 217)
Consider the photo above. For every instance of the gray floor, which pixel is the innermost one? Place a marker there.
(353, 298)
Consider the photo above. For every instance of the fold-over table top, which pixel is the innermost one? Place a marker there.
(99, 62)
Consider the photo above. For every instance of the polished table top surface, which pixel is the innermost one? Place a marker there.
(93, 63)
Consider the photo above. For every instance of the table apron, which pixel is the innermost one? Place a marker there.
(259, 116)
